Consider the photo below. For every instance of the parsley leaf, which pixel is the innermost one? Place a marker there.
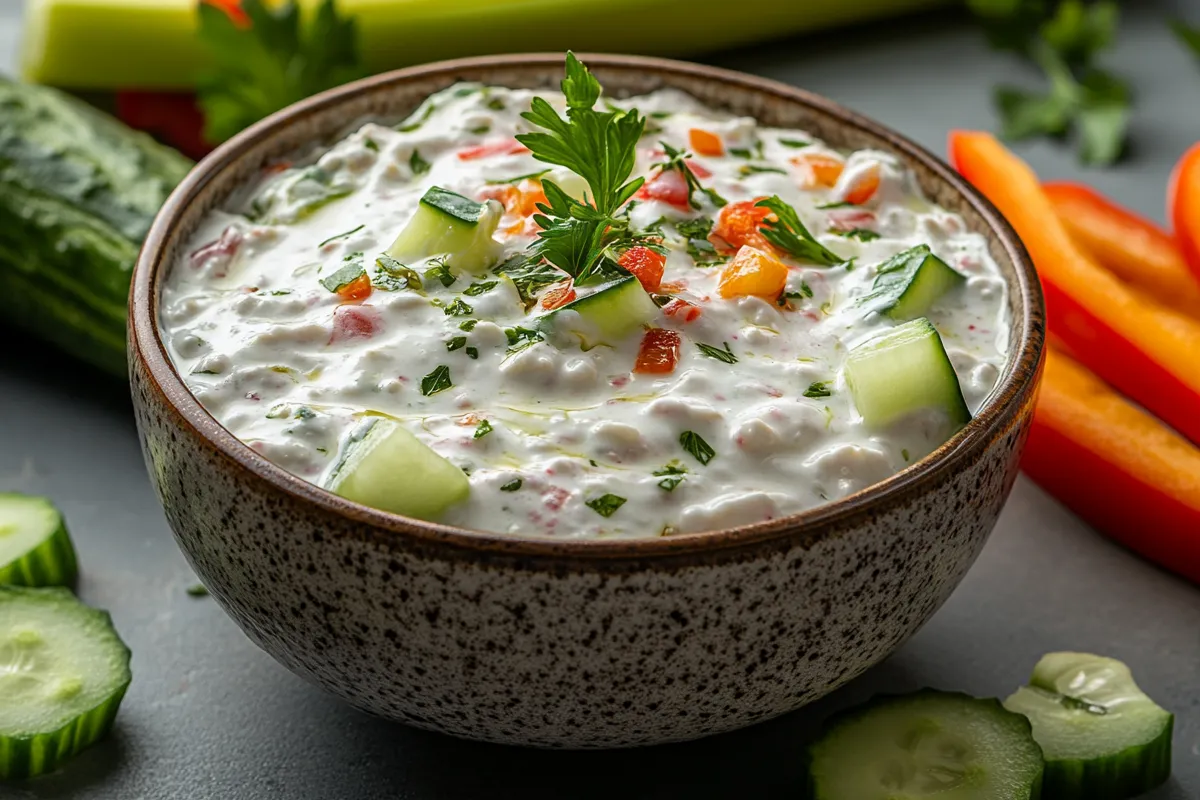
(468, 325)
(458, 309)
(512, 485)
(677, 161)
(606, 504)
(818, 389)
(529, 276)
(436, 381)
(483, 429)
(392, 276)
(472, 352)
(270, 63)
(725, 355)
(519, 338)
(788, 233)
(672, 475)
(440, 272)
(456, 343)
(695, 444)
(417, 164)
(476, 289)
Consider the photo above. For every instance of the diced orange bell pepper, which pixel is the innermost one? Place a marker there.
(864, 187)
(738, 224)
(356, 290)
(1116, 466)
(1131, 247)
(819, 170)
(1147, 351)
(1183, 206)
(705, 143)
(753, 272)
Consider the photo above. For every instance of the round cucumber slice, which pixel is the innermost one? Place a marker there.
(1104, 739)
(941, 745)
(35, 549)
(63, 673)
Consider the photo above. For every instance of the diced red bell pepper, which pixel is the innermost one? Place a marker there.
(738, 224)
(1183, 206)
(558, 296)
(355, 322)
(646, 265)
(667, 186)
(683, 310)
(504, 147)
(356, 290)
(659, 352)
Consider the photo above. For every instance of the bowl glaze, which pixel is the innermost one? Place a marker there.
(580, 644)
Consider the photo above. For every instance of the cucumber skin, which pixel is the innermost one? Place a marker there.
(29, 756)
(51, 563)
(78, 191)
(1073, 779)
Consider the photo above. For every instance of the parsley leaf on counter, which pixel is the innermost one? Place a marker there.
(270, 63)
(606, 504)
(1063, 39)
(788, 233)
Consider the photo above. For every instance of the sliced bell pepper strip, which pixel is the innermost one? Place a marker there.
(1131, 247)
(1116, 466)
(1144, 349)
(1183, 206)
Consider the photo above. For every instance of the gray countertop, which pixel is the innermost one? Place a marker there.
(210, 716)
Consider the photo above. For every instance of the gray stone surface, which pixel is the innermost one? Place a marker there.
(209, 717)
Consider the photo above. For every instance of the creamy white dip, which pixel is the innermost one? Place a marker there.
(291, 368)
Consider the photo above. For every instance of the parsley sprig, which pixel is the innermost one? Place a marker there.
(677, 161)
(788, 233)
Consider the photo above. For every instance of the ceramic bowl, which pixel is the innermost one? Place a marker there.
(579, 644)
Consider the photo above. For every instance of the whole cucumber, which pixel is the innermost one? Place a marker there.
(78, 191)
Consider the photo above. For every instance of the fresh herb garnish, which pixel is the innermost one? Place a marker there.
(672, 475)
(516, 178)
(495, 103)
(529, 276)
(436, 381)
(417, 118)
(418, 165)
(862, 234)
(472, 352)
(695, 444)
(456, 343)
(341, 236)
(805, 290)
(271, 62)
(476, 289)
(392, 276)
(511, 486)
(482, 429)
(440, 272)
(479, 130)
(838, 204)
(606, 504)
(197, 590)
(677, 161)
(788, 233)
(458, 309)
(794, 143)
(746, 170)
(350, 271)
(371, 145)
(468, 325)
(519, 338)
(818, 389)
(698, 228)
(725, 355)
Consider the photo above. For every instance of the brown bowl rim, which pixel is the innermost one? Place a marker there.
(810, 526)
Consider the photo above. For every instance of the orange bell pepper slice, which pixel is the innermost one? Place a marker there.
(738, 224)
(753, 272)
(705, 143)
(1116, 466)
(1183, 206)
(356, 290)
(1147, 351)
(864, 187)
(819, 170)
(1130, 246)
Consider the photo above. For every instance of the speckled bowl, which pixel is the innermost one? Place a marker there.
(582, 643)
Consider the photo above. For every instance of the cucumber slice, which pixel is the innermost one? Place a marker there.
(35, 549)
(909, 283)
(386, 467)
(63, 673)
(941, 745)
(611, 312)
(904, 370)
(1104, 739)
(457, 227)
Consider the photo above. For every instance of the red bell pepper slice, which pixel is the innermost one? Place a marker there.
(646, 265)
(1130, 246)
(1183, 206)
(504, 147)
(1116, 466)
(659, 352)
(558, 296)
(1147, 351)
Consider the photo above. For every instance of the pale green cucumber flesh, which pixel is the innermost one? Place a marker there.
(903, 371)
(386, 467)
(930, 744)
(443, 226)
(614, 310)
(35, 549)
(1104, 739)
(909, 283)
(63, 673)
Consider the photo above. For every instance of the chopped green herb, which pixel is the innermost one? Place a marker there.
(479, 130)
(417, 164)
(440, 272)
(529, 276)
(672, 475)
(468, 325)
(417, 119)
(197, 590)
(677, 161)
(371, 145)
(794, 143)
(341, 236)
(838, 204)
(466, 91)
(483, 429)
(659, 115)
(458, 309)
(862, 234)
(476, 289)
(457, 343)
(606, 504)
(512, 485)
(805, 289)
(350, 271)
(516, 178)
(747, 170)
(519, 338)
(279, 292)
(392, 276)
(695, 444)
(472, 352)
(436, 381)
(818, 389)
(904, 453)
(788, 233)
(741, 152)
(495, 103)
(698, 228)
(703, 253)
(304, 412)
(725, 355)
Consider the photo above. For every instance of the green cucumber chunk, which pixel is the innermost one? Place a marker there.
(940, 745)
(386, 467)
(448, 224)
(35, 549)
(63, 673)
(909, 283)
(612, 312)
(903, 371)
(1104, 739)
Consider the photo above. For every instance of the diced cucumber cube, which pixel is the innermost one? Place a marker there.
(909, 283)
(903, 371)
(453, 226)
(610, 313)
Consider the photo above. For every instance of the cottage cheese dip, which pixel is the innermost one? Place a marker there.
(327, 306)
